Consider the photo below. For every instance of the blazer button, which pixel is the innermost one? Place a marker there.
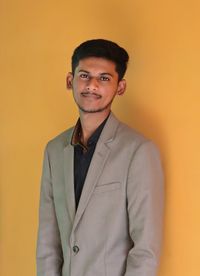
(75, 249)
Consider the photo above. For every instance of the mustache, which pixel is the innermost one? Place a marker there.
(85, 93)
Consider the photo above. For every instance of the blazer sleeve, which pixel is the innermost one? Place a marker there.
(49, 251)
(145, 211)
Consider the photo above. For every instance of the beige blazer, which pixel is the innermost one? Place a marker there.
(116, 230)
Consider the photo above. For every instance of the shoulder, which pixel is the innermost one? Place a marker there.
(61, 140)
(137, 146)
(127, 135)
(129, 139)
(130, 134)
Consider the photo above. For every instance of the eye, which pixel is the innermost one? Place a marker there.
(84, 76)
(104, 78)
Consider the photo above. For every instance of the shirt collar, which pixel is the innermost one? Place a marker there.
(76, 136)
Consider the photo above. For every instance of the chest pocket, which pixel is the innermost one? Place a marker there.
(107, 187)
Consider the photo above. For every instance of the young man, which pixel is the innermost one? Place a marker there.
(102, 186)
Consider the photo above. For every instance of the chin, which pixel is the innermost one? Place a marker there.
(91, 110)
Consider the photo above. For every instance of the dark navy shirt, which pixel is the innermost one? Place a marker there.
(83, 156)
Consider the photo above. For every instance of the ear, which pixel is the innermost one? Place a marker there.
(69, 80)
(121, 87)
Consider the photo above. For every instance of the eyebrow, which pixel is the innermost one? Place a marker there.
(106, 74)
(102, 74)
(83, 71)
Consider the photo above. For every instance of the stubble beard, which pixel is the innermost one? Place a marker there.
(94, 110)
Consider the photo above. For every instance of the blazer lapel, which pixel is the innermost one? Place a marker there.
(69, 180)
(97, 164)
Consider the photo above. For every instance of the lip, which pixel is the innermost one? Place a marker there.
(90, 95)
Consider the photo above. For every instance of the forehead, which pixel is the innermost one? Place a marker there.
(96, 64)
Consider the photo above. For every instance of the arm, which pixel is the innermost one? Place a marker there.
(145, 211)
(49, 251)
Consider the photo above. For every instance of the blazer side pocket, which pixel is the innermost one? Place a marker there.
(107, 187)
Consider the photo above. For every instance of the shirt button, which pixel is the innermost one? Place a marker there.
(75, 249)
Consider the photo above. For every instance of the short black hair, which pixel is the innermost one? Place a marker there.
(102, 48)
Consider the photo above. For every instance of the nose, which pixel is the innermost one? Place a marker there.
(92, 84)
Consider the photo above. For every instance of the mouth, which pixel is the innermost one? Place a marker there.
(90, 95)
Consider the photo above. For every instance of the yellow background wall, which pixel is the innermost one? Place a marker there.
(37, 38)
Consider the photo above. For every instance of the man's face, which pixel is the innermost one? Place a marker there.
(95, 84)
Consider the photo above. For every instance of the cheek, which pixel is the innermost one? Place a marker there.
(75, 87)
(109, 91)
(79, 85)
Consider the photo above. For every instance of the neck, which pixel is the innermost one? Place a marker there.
(90, 122)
